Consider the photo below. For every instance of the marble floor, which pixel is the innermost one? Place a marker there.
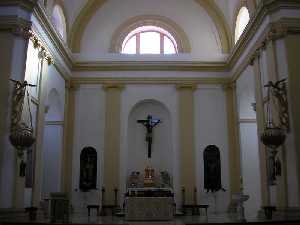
(114, 220)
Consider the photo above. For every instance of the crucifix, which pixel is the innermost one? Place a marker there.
(149, 123)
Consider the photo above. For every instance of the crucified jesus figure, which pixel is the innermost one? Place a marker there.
(149, 123)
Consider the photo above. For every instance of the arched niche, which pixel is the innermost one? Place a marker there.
(137, 152)
(212, 169)
(54, 107)
(88, 169)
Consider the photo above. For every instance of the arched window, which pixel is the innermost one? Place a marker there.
(149, 40)
(59, 21)
(88, 169)
(241, 22)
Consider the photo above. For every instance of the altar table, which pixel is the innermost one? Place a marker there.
(149, 208)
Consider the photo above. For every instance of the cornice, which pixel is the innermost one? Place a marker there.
(25, 4)
(148, 80)
(54, 37)
(265, 8)
(149, 66)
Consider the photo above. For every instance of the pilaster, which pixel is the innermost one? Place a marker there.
(68, 138)
(187, 139)
(260, 117)
(233, 139)
(112, 140)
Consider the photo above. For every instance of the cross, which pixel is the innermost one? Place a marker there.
(149, 123)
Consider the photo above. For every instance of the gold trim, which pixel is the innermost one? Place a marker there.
(183, 44)
(16, 25)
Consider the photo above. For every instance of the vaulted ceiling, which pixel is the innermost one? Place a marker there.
(79, 14)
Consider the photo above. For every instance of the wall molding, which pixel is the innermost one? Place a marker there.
(149, 66)
(146, 80)
(25, 4)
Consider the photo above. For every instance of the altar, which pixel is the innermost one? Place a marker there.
(150, 197)
(149, 204)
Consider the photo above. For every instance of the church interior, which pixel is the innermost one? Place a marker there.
(149, 112)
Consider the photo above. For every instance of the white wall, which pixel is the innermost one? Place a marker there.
(211, 129)
(89, 131)
(248, 141)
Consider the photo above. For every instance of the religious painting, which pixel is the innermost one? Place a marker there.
(88, 169)
(212, 169)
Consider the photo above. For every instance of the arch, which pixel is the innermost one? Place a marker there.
(59, 5)
(183, 44)
(162, 138)
(88, 169)
(92, 6)
(54, 107)
(220, 22)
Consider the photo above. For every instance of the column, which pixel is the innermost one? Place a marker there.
(273, 76)
(233, 139)
(260, 118)
(187, 136)
(293, 55)
(14, 35)
(38, 159)
(112, 140)
(67, 155)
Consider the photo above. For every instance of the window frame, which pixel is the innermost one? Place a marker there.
(138, 40)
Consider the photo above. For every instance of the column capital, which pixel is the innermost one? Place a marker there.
(16, 25)
(254, 56)
(229, 86)
(71, 86)
(114, 86)
(186, 86)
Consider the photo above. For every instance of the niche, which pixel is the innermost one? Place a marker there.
(88, 169)
(212, 169)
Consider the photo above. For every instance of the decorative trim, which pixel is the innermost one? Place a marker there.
(182, 41)
(265, 8)
(147, 80)
(43, 52)
(52, 34)
(186, 86)
(149, 66)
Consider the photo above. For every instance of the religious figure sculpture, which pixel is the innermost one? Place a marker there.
(18, 101)
(149, 123)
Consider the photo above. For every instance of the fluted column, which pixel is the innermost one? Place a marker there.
(187, 140)
(67, 155)
(233, 139)
(112, 141)
(260, 118)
